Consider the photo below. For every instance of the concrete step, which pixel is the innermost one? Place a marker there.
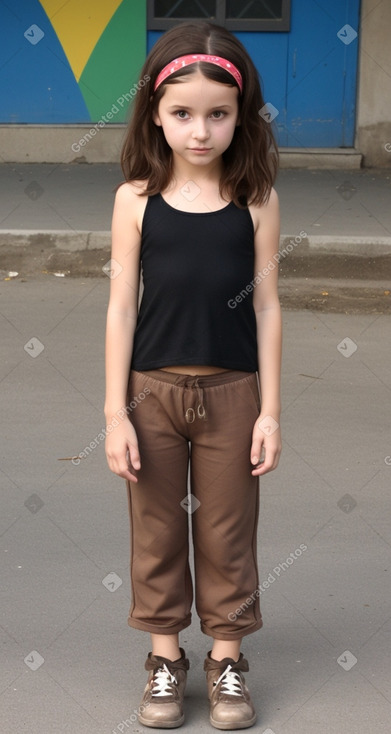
(321, 158)
(75, 143)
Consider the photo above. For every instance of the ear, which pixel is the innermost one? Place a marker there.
(156, 119)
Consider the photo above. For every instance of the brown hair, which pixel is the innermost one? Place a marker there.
(250, 162)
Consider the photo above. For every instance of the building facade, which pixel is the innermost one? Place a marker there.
(68, 72)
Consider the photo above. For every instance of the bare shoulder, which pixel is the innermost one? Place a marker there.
(267, 212)
(130, 190)
(131, 200)
(272, 202)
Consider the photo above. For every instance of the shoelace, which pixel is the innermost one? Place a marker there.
(231, 682)
(162, 682)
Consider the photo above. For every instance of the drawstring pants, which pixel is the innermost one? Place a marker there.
(202, 423)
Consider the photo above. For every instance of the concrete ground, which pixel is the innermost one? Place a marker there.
(324, 203)
(321, 663)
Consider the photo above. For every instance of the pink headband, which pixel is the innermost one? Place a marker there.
(182, 61)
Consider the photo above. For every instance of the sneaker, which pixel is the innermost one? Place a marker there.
(230, 703)
(162, 703)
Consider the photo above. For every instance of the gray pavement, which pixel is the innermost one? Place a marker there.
(345, 210)
(321, 663)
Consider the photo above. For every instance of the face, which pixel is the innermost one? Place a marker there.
(198, 117)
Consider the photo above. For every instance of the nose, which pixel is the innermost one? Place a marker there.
(200, 129)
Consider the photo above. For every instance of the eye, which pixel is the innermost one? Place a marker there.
(179, 113)
(219, 112)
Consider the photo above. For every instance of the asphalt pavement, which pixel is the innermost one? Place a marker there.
(350, 208)
(321, 663)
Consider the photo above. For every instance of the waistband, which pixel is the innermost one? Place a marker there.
(204, 381)
(198, 383)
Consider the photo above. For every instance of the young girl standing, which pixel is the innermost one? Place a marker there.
(199, 216)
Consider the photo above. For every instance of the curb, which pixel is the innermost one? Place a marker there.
(86, 240)
(60, 239)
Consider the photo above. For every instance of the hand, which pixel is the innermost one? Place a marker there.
(266, 446)
(122, 450)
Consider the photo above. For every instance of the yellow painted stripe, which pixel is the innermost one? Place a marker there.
(79, 24)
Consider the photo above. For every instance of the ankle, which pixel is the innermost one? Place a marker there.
(166, 646)
(172, 655)
(230, 657)
(225, 649)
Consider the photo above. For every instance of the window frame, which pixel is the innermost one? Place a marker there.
(232, 24)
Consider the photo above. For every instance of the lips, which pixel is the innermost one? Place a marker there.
(200, 148)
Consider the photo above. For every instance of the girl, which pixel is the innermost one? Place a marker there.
(199, 215)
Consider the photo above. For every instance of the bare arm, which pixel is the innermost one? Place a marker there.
(266, 434)
(121, 443)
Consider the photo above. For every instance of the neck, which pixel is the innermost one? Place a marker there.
(207, 175)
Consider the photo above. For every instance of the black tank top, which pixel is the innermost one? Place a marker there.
(193, 266)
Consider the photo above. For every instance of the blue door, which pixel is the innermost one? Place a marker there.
(309, 73)
(320, 97)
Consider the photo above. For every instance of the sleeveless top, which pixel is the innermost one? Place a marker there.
(193, 267)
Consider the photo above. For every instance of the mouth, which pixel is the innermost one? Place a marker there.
(203, 149)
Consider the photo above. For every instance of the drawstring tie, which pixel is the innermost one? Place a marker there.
(190, 414)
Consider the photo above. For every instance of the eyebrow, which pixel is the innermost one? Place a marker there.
(187, 107)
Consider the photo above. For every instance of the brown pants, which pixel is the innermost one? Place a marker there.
(205, 422)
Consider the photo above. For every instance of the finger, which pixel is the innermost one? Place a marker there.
(256, 450)
(123, 468)
(262, 469)
(127, 472)
(269, 464)
(128, 475)
(134, 456)
(130, 472)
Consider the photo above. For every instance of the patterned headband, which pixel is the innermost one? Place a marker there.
(182, 61)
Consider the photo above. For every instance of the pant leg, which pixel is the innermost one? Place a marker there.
(225, 523)
(161, 581)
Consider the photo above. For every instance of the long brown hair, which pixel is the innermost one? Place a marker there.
(250, 162)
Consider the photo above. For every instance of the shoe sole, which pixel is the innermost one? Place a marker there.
(227, 726)
(162, 724)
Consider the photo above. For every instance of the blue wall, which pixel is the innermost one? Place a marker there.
(309, 73)
(89, 55)
(69, 62)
